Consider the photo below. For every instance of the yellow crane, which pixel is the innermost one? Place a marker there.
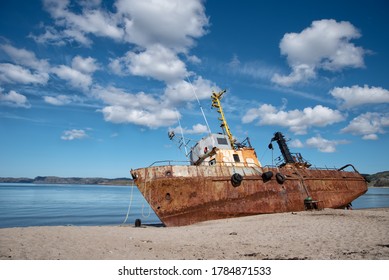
(216, 97)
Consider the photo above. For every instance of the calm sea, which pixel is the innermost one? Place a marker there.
(23, 205)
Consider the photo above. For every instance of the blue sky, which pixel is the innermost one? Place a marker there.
(91, 88)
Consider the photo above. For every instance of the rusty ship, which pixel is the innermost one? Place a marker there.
(224, 179)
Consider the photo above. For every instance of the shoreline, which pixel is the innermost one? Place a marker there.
(328, 234)
(107, 184)
(158, 225)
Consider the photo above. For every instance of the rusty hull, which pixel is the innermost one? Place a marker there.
(183, 195)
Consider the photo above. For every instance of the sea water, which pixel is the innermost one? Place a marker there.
(23, 205)
(374, 198)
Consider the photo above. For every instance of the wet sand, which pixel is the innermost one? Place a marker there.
(318, 235)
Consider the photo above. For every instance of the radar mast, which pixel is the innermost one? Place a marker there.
(216, 97)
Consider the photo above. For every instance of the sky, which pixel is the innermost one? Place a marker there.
(91, 88)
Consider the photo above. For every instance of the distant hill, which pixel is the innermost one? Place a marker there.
(69, 180)
(380, 179)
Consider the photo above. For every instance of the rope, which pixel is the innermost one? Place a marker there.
(129, 205)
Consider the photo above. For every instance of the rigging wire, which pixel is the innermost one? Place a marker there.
(182, 134)
(201, 108)
(263, 155)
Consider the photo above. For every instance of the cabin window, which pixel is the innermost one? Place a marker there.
(236, 157)
(222, 141)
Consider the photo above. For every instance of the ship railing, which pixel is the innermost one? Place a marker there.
(348, 165)
(169, 162)
(211, 163)
(238, 164)
(311, 167)
(324, 168)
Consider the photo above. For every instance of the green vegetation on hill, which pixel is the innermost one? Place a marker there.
(69, 180)
(380, 179)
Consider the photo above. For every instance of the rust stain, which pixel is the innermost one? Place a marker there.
(226, 179)
(182, 195)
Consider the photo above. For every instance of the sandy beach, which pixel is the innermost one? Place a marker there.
(327, 234)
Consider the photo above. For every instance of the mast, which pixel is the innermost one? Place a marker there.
(289, 158)
(279, 137)
(216, 97)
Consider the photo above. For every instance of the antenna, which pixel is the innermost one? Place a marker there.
(182, 133)
(201, 108)
(180, 141)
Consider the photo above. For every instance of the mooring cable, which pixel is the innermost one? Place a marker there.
(129, 205)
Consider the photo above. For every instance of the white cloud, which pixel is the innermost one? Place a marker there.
(356, 95)
(171, 23)
(25, 58)
(149, 118)
(74, 77)
(324, 145)
(58, 100)
(157, 62)
(298, 121)
(296, 143)
(10, 73)
(368, 125)
(90, 3)
(149, 110)
(300, 73)
(161, 34)
(118, 66)
(50, 36)
(193, 59)
(84, 65)
(196, 129)
(14, 99)
(116, 96)
(372, 136)
(254, 69)
(141, 108)
(72, 35)
(162, 29)
(183, 91)
(324, 45)
(76, 27)
(27, 68)
(79, 75)
(74, 134)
